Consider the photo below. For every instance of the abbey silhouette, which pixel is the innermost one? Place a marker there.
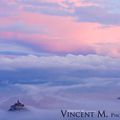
(18, 106)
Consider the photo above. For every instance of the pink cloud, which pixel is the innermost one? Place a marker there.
(7, 20)
(64, 34)
(76, 3)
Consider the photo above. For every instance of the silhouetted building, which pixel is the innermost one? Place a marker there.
(18, 106)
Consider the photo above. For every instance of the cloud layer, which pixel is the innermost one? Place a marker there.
(78, 62)
(62, 27)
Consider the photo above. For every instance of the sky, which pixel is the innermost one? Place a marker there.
(60, 27)
(52, 50)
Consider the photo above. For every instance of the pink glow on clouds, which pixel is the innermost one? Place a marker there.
(72, 35)
(7, 20)
(76, 3)
(64, 34)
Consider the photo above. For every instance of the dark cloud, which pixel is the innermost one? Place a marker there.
(55, 77)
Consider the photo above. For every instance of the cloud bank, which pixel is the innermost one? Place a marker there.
(69, 61)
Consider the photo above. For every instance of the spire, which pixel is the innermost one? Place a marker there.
(18, 101)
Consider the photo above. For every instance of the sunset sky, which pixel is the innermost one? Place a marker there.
(60, 27)
(66, 46)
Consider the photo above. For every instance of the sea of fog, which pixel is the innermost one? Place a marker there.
(45, 102)
(39, 114)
